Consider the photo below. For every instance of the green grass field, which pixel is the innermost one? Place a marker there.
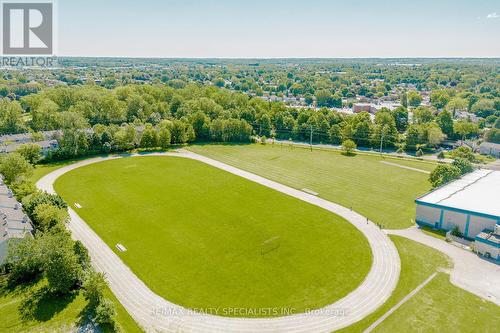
(194, 234)
(51, 314)
(438, 307)
(384, 193)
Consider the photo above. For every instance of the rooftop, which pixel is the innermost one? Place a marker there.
(490, 238)
(14, 223)
(478, 192)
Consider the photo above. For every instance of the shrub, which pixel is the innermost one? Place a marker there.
(443, 174)
(348, 146)
(456, 232)
(14, 167)
(93, 288)
(440, 156)
(30, 151)
(419, 153)
(105, 312)
(82, 255)
(263, 140)
(464, 165)
(32, 201)
(46, 216)
(463, 152)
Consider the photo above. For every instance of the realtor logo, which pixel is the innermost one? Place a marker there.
(27, 28)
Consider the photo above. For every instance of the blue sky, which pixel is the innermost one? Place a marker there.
(279, 28)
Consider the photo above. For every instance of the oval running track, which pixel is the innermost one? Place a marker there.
(156, 314)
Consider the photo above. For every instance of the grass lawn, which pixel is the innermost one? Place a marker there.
(194, 234)
(438, 307)
(41, 170)
(384, 193)
(50, 314)
(441, 234)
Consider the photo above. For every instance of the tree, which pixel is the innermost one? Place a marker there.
(422, 115)
(439, 98)
(179, 132)
(414, 98)
(362, 133)
(62, 268)
(400, 115)
(74, 142)
(149, 138)
(464, 165)
(445, 122)
(463, 152)
(46, 216)
(201, 124)
(493, 135)
(82, 255)
(219, 82)
(93, 288)
(465, 128)
(348, 146)
(11, 117)
(324, 98)
(105, 312)
(434, 134)
(335, 134)
(457, 104)
(404, 99)
(25, 259)
(14, 167)
(30, 151)
(164, 137)
(33, 200)
(443, 174)
(413, 137)
(484, 108)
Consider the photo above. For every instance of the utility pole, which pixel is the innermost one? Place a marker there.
(311, 138)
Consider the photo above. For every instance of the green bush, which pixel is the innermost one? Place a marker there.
(348, 147)
(105, 312)
(93, 288)
(443, 174)
(464, 165)
(33, 200)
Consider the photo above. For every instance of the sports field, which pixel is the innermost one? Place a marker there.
(206, 239)
(379, 188)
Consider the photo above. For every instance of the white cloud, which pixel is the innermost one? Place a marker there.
(493, 15)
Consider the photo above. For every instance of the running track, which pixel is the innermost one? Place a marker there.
(156, 314)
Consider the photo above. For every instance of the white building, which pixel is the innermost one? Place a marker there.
(490, 148)
(471, 203)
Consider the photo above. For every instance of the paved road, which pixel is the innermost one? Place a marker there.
(157, 314)
(470, 272)
(493, 165)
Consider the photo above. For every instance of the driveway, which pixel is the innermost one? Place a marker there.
(470, 272)
(157, 314)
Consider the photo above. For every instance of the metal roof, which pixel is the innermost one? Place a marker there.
(478, 192)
